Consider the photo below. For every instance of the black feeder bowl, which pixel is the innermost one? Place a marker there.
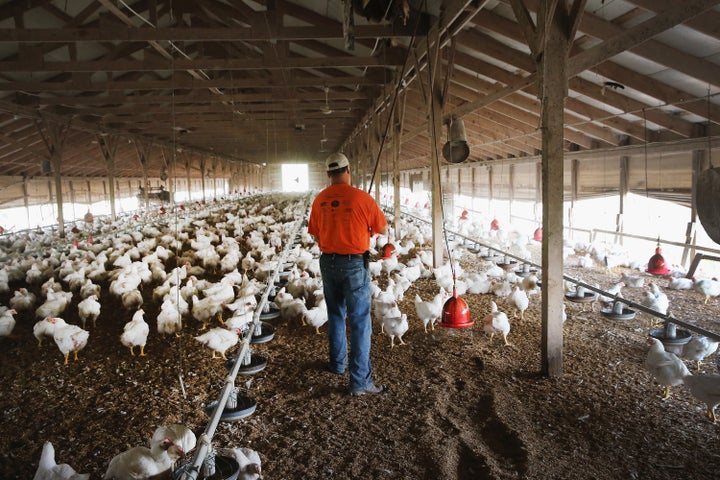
(266, 333)
(474, 248)
(280, 283)
(525, 270)
(492, 258)
(672, 338)
(272, 313)
(618, 312)
(257, 364)
(244, 407)
(226, 468)
(456, 313)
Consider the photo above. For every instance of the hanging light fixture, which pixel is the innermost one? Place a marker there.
(537, 235)
(456, 149)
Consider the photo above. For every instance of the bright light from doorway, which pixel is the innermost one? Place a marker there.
(294, 177)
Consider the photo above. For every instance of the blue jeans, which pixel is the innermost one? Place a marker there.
(346, 285)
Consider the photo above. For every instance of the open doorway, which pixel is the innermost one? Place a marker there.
(294, 177)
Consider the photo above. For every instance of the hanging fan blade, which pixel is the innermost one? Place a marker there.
(326, 110)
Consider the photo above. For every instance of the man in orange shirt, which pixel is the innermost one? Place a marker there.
(342, 220)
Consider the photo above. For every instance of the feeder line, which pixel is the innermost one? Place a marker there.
(667, 318)
(204, 447)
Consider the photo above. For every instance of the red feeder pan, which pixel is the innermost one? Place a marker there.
(656, 265)
(464, 215)
(495, 225)
(537, 236)
(388, 250)
(456, 313)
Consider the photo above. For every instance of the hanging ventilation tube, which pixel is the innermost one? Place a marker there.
(456, 150)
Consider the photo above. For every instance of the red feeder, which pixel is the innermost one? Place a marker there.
(537, 236)
(182, 207)
(88, 217)
(656, 265)
(456, 313)
(427, 205)
(162, 210)
(135, 217)
(495, 225)
(387, 250)
(90, 240)
(464, 215)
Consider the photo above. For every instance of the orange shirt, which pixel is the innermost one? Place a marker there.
(343, 218)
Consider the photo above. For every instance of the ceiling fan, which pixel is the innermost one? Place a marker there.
(326, 110)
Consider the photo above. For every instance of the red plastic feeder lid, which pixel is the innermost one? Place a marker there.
(388, 250)
(495, 225)
(464, 215)
(456, 314)
(537, 235)
(656, 265)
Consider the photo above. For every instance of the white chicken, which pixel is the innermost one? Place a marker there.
(317, 316)
(709, 288)
(219, 340)
(7, 322)
(89, 309)
(497, 322)
(46, 328)
(632, 281)
(142, 462)
(667, 369)
(169, 320)
(520, 299)
(395, 325)
(698, 348)
(135, 333)
(681, 283)
(23, 300)
(248, 459)
(705, 388)
(70, 338)
(48, 469)
(430, 312)
(132, 299)
(89, 288)
(656, 300)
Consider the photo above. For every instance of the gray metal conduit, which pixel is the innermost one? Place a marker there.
(204, 441)
(668, 318)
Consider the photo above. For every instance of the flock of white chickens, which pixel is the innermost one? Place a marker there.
(133, 263)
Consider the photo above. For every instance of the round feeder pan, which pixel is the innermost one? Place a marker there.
(281, 283)
(267, 332)
(226, 468)
(523, 273)
(588, 297)
(283, 276)
(257, 364)
(627, 313)
(473, 249)
(245, 407)
(681, 337)
(271, 314)
(507, 266)
(492, 258)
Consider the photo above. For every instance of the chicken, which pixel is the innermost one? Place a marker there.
(317, 316)
(667, 369)
(430, 312)
(48, 469)
(23, 300)
(709, 288)
(705, 388)
(219, 340)
(521, 301)
(698, 348)
(89, 309)
(497, 322)
(681, 283)
(132, 300)
(181, 437)
(142, 462)
(248, 459)
(7, 322)
(656, 300)
(55, 304)
(135, 333)
(169, 320)
(614, 291)
(395, 325)
(204, 310)
(89, 288)
(70, 338)
(46, 328)
(632, 281)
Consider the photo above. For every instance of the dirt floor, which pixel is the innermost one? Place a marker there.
(457, 406)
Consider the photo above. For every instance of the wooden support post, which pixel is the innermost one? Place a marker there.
(699, 163)
(143, 153)
(559, 27)
(537, 210)
(89, 194)
(187, 174)
(54, 136)
(108, 147)
(511, 190)
(26, 199)
(397, 132)
(574, 171)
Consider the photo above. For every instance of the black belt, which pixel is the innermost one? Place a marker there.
(349, 255)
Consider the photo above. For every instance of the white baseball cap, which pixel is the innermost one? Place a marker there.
(336, 161)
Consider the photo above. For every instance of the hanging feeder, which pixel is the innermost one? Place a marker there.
(495, 224)
(525, 270)
(455, 313)
(507, 264)
(672, 338)
(456, 150)
(237, 407)
(656, 264)
(464, 215)
(581, 295)
(538, 234)
(251, 364)
(618, 311)
(215, 467)
(263, 334)
(387, 250)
